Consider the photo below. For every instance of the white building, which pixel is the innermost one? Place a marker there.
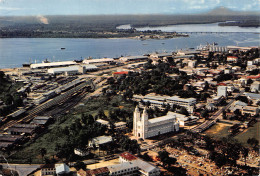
(184, 120)
(129, 165)
(101, 140)
(72, 70)
(133, 58)
(222, 91)
(144, 128)
(52, 64)
(192, 63)
(160, 101)
(255, 87)
(95, 61)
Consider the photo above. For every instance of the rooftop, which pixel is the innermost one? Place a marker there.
(128, 156)
(52, 64)
(121, 166)
(169, 116)
(64, 69)
(102, 139)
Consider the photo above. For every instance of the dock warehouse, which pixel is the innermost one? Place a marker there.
(72, 70)
(52, 64)
(133, 58)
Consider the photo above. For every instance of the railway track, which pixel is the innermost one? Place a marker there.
(52, 102)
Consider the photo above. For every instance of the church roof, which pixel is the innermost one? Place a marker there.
(169, 116)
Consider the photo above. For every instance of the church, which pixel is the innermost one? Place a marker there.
(145, 128)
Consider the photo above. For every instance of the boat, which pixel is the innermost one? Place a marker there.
(62, 48)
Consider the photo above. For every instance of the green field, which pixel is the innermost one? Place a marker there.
(251, 132)
(218, 130)
(221, 130)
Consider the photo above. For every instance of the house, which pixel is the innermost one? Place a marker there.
(232, 59)
(54, 169)
(99, 141)
(47, 170)
(81, 151)
(62, 169)
(210, 107)
(252, 110)
(255, 87)
(144, 167)
(121, 73)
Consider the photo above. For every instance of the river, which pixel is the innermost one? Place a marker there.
(16, 51)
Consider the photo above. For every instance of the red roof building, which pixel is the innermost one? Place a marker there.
(121, 73)
(127, 156)
(253, 77)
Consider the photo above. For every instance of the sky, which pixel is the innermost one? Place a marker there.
(96, 7)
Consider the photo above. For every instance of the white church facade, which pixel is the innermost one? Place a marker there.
(145, 128)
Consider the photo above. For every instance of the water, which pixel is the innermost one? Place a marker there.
(16, 51)
(212, 27)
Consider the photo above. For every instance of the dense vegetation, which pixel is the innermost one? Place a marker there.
(152, 81)
(8, 94)
(96, 26)
(75, 129)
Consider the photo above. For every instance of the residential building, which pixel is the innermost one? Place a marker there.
(255, 87)
(101, 140)
(222, 91)
(252, 110)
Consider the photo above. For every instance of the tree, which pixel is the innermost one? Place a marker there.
(245, 152)
(165, 159)
(80, 165)
(206, 87)
(43, 152)
(204, 113)
(184, 111)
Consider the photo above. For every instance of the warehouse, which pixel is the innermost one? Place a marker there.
(133, 58)
(72, 70)
(95, 61)
(52, 64)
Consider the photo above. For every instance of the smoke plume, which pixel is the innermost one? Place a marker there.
(43, 19)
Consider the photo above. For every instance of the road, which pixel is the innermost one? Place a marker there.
(213, 119)
(22, 169)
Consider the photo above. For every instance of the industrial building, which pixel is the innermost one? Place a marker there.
(72, 70)
(96, 61)
(133, 58)
(52, 64)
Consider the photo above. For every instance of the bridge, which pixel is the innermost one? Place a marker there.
(208, 32)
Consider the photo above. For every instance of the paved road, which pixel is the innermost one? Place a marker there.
(213, 119)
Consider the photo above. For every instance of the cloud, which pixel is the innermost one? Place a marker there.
(10, 8)
(43, 19)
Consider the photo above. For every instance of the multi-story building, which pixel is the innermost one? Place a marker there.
(222, 91)
(160, 101)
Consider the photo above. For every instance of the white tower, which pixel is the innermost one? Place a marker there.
(136, 119)
(144, 133)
